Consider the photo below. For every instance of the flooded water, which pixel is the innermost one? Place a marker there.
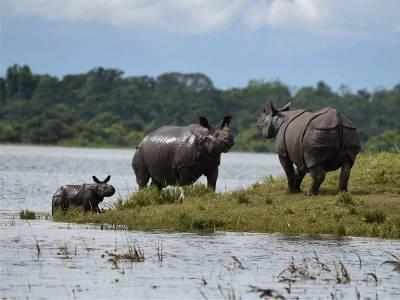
(41, 259)
(29, 175)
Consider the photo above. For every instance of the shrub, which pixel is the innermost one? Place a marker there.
(268, 200)
(344, 199)
(196, 190)
(341, 230)
(170, 195)
(353, 211)
(145, 197)
(241, 197)
(206, 224)
(184, 221)
(374, 216)
(312, 220)
(27, 215)
(337, 216)
(151, 195)
(198, 223)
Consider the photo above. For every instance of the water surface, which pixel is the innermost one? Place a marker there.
(29, 175)
(73, 261)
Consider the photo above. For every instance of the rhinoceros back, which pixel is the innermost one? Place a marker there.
(65, 196)
(164, 149)
(325, 136)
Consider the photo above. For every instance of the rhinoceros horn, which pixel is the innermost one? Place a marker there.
(275, 111)
(286, 107)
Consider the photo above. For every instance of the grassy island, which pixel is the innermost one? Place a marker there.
(371, 208)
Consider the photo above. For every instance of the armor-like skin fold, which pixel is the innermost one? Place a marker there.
(85, 196)
(179, 155)
(311, 142)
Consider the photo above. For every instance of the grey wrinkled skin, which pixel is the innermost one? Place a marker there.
(86, 196)
(311, 142)
(173, 155)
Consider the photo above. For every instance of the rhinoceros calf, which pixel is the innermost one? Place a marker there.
(173, 155)
(314, 142)
(85, 196)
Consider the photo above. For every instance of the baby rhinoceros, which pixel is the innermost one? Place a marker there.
(85, 196)
(174, 155)
(314, 142)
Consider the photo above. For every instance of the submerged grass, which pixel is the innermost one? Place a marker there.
(372, 208)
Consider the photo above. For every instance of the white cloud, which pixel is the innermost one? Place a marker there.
(172, 15)
(198, 16)
(282, 13)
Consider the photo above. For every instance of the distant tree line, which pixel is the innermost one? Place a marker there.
(104, 108)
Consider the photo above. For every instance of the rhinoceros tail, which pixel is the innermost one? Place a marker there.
(339, 129)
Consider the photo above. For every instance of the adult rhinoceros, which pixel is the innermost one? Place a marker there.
(314, 142)
(85, 196)
(174, 155)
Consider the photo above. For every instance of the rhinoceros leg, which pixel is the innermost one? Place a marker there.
(156, 184)
(290, 174)
(56, 204)
(212, 177)
(318, 176)
(300, 173)
(142, 176)
(92, 206)
(97, 209)
(344, 176)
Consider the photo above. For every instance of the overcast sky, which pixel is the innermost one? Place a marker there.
(352, 42)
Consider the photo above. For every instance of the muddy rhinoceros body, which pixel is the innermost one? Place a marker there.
(179, 155)
(85, 196)
(315, 142)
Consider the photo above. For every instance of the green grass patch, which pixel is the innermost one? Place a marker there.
(27, 215)
(375, 216)
(370, 208)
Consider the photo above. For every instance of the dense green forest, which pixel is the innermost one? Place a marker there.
(104, 108)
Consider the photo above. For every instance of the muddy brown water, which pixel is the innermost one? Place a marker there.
(40, 259)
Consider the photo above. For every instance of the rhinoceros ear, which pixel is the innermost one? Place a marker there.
(226, 121)
(204, 122)
(286, 107)
(272, 108)
(95, 179)
(107, 179)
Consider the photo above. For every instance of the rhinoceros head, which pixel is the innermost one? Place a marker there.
(218, 139)
(103, 189)
(269, 120)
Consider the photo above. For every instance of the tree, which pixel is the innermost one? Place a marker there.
(323, 89)
(101, 107)
(47, 90)
(100, 80)
(26, 83)
(12, 81)
(388, 141)
(20, 82)
(3, 91)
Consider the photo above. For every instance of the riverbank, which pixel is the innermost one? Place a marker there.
(245, 141)
(372, 208)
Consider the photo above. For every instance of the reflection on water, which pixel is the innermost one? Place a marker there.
(73, 261)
